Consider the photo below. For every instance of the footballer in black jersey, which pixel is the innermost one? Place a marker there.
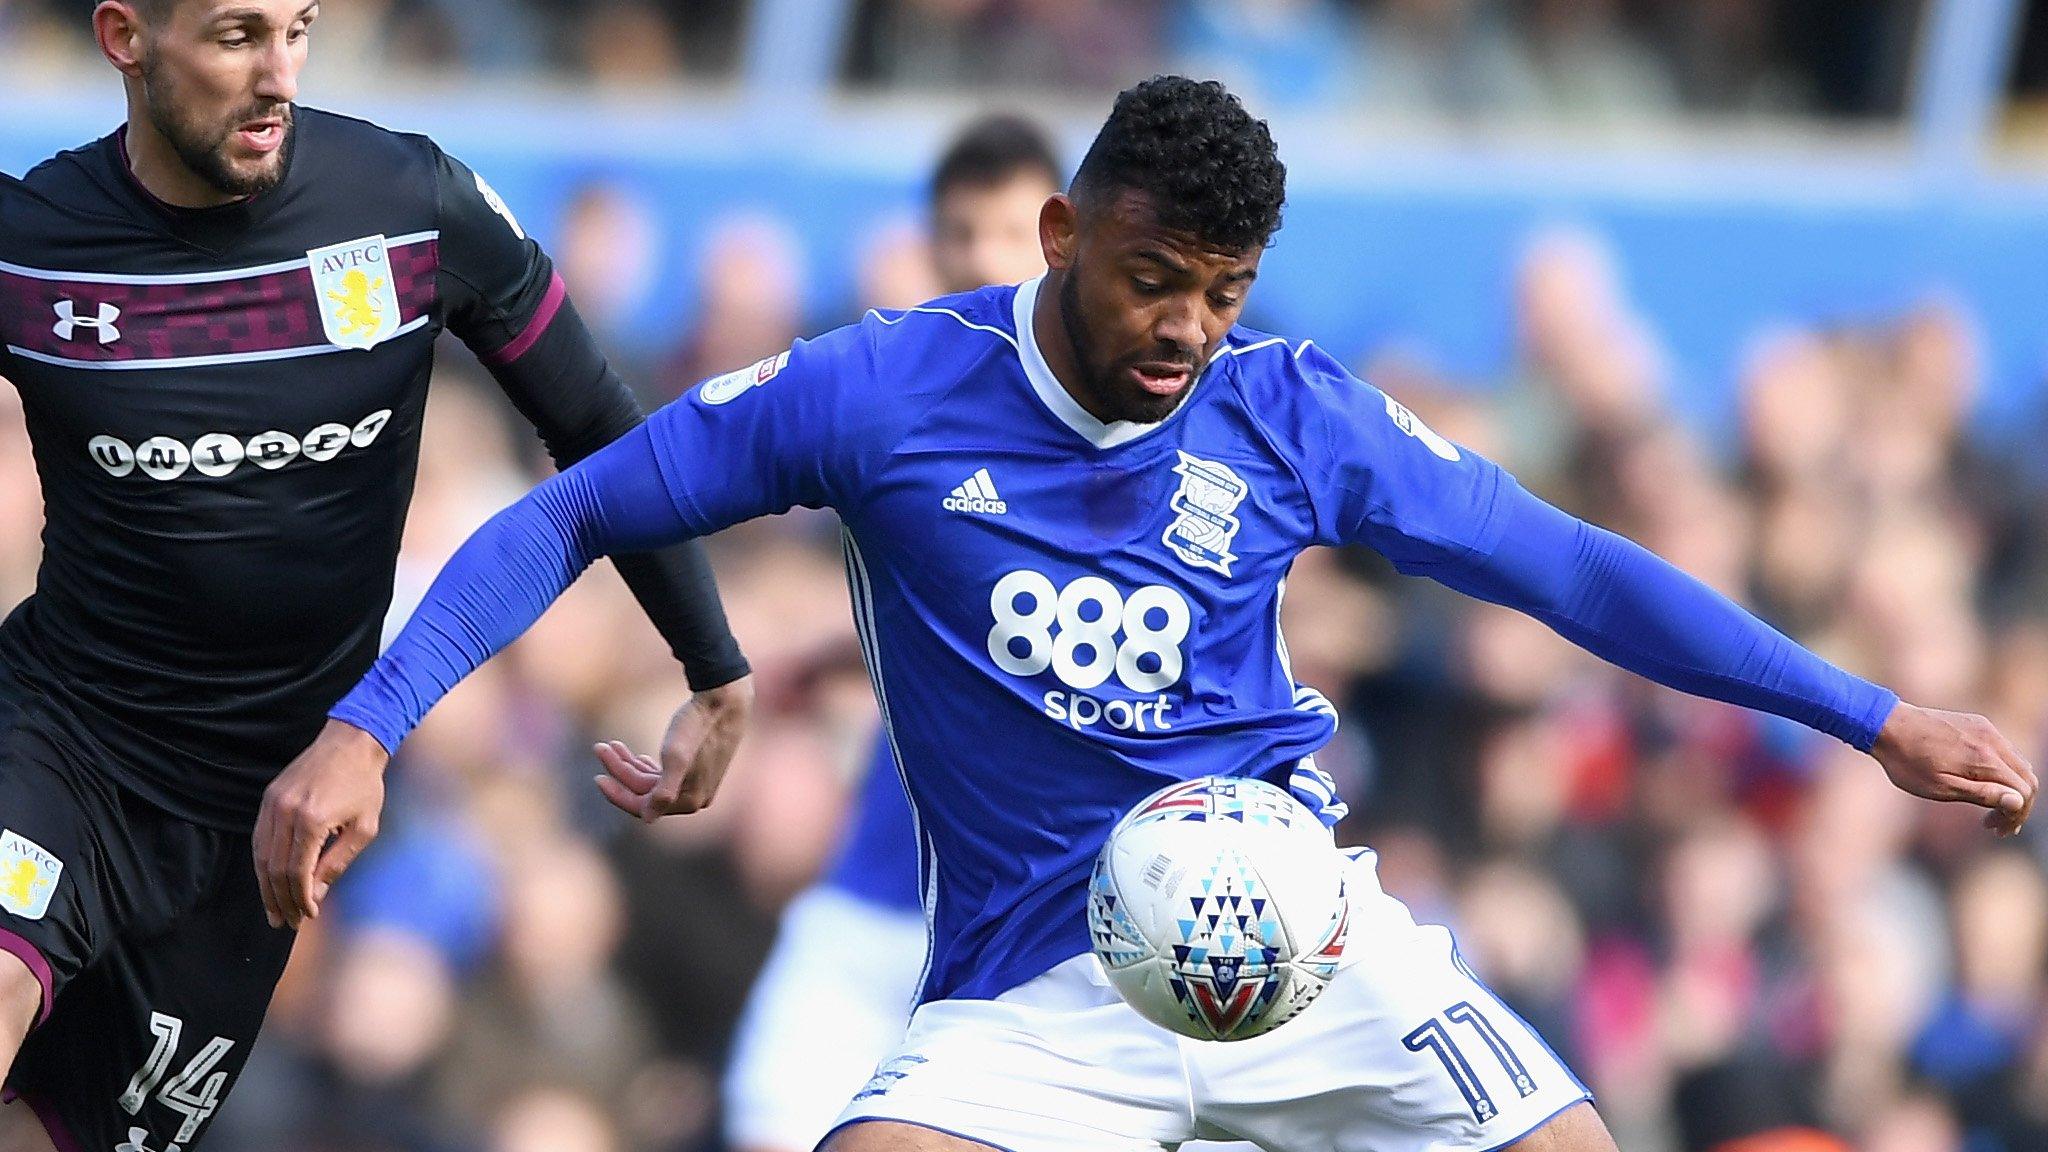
(221, 321)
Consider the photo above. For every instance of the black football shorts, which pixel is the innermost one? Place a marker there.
(147, 935)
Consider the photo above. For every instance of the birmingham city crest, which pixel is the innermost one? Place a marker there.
(356, 293)
(1204, 523)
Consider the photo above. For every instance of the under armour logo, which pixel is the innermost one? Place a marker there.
(136, 1142)
(69, 322)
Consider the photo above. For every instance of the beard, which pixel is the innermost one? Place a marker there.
(1107, 386)
(203, 147)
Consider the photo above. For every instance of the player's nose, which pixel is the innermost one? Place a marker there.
(1179, 323)
(277, 79)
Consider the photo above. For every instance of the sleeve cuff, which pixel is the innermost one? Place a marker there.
(1869, 720)
(372, 707)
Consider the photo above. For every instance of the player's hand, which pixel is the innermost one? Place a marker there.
(317, 816)
(1958, 756)
(695, 753)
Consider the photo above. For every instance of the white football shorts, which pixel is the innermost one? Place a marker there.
(1405, 1051)
(830, 1003)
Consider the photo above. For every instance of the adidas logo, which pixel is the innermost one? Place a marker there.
(977, 494)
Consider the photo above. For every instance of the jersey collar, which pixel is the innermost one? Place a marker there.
(214, 229)
(1058, 400)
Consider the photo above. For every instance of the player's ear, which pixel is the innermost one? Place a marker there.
(118, 29)
(1059, 231)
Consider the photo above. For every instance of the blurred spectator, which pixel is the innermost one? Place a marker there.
(1577, 63)
(750, 299)
(368, 39)
(548, 1119)
(610, 251)
(1093, 44)
(986, 195)
(1446, 58)
(1726, 56)
(624, 44)
(1999, 914)
(1592, 67)
(389, 1005)
(552, 1011)
(1752, 1104)
(895, 269)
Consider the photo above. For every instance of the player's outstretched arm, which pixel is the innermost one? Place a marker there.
(503, 297)
(323, 808)
(1626, 605)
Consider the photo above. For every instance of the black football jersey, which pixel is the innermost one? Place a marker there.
(225, 409)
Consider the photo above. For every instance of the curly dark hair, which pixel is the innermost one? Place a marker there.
(1209, 167)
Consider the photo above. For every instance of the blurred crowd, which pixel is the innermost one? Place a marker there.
(1728, 924)
(1597, 61)
(1575, 61)
(1732, 927)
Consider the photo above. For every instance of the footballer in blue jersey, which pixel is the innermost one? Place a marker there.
(1069, 510)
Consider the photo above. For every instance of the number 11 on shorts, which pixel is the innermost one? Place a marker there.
(1435, 1036)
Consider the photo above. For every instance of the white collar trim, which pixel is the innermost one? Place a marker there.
(1056, 398)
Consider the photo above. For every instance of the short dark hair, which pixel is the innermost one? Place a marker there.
(154, 12)
(1209, 166)
(994, 150)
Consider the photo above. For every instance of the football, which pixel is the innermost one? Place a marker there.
(1218, 907)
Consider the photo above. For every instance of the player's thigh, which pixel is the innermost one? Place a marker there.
(895, 1136)
(890, 1136)
(1576, 1129)
(21, 1130)
(21, 1004)
(59, 831)
(1405, 1050)
(146, 1044)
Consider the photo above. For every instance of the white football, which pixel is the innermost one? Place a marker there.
(1218, 909)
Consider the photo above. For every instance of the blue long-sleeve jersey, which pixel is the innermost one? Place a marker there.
(1061, 616)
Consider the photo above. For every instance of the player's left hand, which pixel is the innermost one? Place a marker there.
(701, 740)
(1958, 756)
(317, 816)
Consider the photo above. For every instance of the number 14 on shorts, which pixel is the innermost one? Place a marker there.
(1435, 1036)
(195, 1091)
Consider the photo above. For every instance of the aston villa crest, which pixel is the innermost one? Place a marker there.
(1204, 523)
(355, 291)
(28, 875)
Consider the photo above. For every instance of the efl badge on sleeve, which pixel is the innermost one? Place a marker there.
(1204, 524)
(731, 386)
(497, 204)
(357, 296)
(28, 876)
(1412, 424)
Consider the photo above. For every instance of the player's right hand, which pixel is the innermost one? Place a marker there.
(695, 753)
(317, 816)
(1961, 757)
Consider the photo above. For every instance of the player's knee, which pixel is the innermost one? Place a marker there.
(884, 1136)
(22, 1131)
(1576, 1129)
